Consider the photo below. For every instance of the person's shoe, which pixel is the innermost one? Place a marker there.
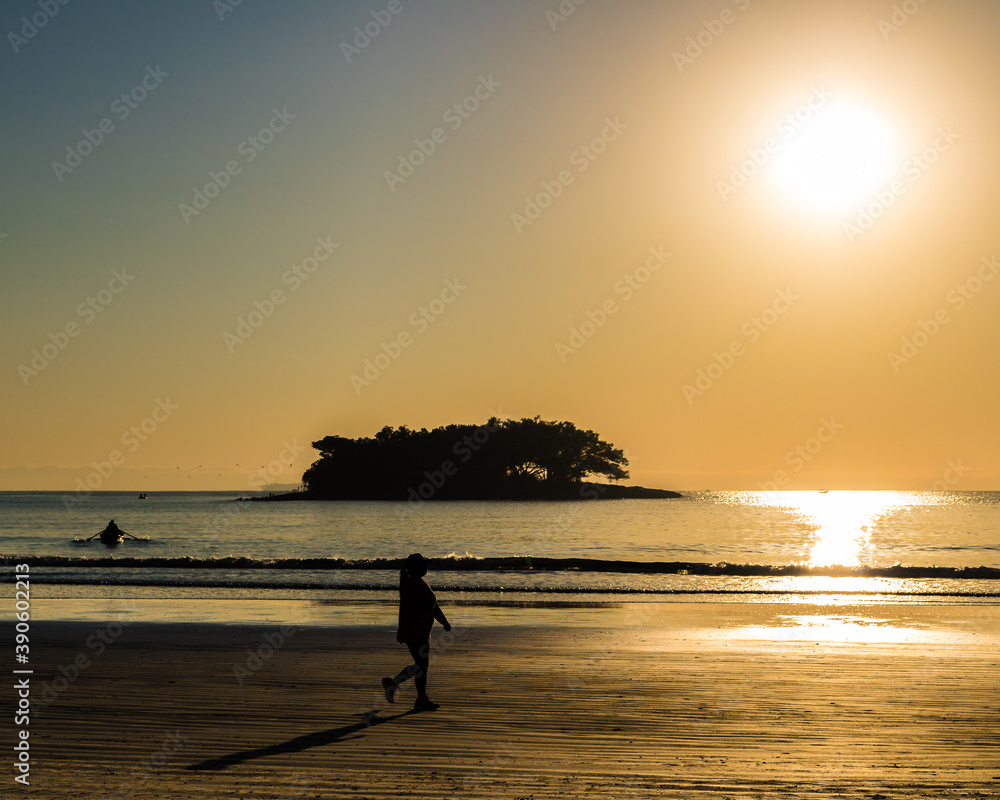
(425, 704)
(390, 689)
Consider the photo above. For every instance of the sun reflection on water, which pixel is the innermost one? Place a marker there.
(843, 520)
(848, 628)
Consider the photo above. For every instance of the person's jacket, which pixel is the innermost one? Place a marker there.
(417, 610)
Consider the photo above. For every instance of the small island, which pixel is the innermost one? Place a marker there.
(526, 459)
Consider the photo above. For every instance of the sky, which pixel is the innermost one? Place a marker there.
(752, 243)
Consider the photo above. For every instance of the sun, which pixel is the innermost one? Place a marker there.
(835, 161)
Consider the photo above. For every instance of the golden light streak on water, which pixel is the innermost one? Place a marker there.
(843, 520)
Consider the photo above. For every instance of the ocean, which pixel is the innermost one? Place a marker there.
(903, 547)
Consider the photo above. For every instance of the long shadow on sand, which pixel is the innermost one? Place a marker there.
(299, 743)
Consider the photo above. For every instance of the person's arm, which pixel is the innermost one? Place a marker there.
(440, 617)
(399, 626)
(405, 611)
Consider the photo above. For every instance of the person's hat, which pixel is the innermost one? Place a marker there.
(415, 565)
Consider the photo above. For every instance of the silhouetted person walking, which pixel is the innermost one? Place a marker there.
(418, 609)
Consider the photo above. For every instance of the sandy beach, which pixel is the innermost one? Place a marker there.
(674, 700)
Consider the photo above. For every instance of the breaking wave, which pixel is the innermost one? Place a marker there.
(526, 564)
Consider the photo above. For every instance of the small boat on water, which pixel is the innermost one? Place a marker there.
(112, 534)
(110, 537)
(142, 496)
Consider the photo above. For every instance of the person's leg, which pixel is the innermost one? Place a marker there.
(418, 669)
(421, 661)
(407, 673)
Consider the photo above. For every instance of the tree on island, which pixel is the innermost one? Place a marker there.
(502, 459)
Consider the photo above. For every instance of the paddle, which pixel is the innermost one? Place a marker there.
(118, 531)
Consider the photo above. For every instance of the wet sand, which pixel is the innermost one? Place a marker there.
(676, 700)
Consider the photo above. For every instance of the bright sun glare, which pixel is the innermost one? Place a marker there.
(844, 521)
(838, 159)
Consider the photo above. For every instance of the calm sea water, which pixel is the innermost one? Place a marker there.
(946, 529)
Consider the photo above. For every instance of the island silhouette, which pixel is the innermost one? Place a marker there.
(502, 459)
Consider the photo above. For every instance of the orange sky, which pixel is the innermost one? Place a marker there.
(751, 243)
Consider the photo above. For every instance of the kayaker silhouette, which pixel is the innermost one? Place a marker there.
(112, 534)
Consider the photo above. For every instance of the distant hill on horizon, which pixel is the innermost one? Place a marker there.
(280, 487)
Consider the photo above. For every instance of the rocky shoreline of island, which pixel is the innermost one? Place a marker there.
(585, 491)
